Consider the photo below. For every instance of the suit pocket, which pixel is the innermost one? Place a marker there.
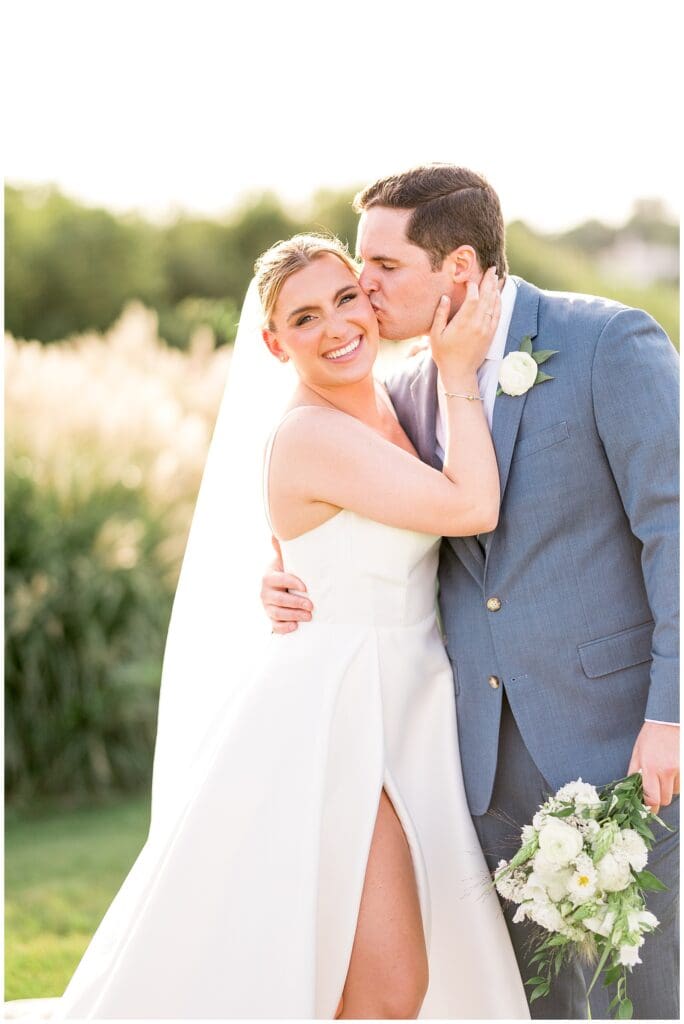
(617, 651)
(536, 442)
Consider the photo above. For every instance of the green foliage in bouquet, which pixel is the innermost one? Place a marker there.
(87, 602)
(580, 874)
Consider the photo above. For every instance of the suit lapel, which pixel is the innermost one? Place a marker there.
(505, 422)
(508, 410)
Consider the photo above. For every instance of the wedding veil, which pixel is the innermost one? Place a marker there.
(217, 622)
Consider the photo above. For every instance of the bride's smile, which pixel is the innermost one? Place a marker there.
(347, 351)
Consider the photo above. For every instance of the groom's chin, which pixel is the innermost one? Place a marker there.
(395, 336)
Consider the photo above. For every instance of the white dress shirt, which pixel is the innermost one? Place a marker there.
(488, 374)
(488, 379)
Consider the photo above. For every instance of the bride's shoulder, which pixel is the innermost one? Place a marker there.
(317, 429)
(300, 419)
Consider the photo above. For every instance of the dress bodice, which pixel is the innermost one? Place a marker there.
(360, 571)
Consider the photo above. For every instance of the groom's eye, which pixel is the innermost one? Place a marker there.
(385, 267)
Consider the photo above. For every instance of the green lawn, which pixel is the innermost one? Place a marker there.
(62, 869)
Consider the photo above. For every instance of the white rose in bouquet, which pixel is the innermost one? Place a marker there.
(560, 843)
(548, 878)
(629, 845)
(614, 873)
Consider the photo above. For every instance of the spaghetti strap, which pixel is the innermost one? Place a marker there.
(267, 465)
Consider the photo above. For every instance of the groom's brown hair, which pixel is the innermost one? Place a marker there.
(452, 206)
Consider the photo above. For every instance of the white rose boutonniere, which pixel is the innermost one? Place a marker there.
(519, 370)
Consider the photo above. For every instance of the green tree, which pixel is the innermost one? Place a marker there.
(70, 268)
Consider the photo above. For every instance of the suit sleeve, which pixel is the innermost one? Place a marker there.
(635, 396)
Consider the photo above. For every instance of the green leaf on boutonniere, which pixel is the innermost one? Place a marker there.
(541, 377)
(526, 345)
(543, 354)
(499, 391)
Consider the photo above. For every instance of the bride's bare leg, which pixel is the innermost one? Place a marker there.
(388, 971)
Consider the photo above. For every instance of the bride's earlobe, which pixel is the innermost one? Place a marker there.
(273, 346)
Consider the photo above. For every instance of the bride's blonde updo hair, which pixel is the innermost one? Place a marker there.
(285, 258)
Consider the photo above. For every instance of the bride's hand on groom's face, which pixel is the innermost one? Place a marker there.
(284, 609)
(459, 345)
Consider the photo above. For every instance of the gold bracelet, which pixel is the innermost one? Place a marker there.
(470, 398)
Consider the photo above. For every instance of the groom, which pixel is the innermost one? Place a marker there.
(561, 625)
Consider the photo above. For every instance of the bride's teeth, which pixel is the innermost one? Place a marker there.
(344, 351)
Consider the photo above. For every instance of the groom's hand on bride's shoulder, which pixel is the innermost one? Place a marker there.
(656, 756)
(284, 607)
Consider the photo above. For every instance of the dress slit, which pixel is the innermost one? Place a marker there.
(352, 790)
(419, 868)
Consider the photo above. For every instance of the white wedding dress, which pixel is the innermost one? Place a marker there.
(247, 906)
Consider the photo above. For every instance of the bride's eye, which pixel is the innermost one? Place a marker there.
(349, 295)
(303, 319)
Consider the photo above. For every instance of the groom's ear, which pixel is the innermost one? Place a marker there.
(462, 266)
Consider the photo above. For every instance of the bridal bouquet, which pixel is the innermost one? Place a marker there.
(580, 874)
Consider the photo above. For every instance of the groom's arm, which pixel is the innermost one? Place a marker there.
(635, 395)
(282, 596)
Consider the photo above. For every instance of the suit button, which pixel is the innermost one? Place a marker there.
(494, 682)
(493, 604)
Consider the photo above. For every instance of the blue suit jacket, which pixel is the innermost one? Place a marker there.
(584, 559)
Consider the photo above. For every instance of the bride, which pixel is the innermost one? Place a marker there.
(311, 854)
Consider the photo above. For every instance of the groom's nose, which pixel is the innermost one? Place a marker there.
(366, 280)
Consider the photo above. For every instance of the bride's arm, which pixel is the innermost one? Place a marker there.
(323, 455)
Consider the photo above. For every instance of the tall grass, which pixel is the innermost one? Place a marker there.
(106, 441)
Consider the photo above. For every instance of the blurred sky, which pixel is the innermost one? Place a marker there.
(569, 108)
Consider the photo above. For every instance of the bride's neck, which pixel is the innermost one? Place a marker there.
(360, 399)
